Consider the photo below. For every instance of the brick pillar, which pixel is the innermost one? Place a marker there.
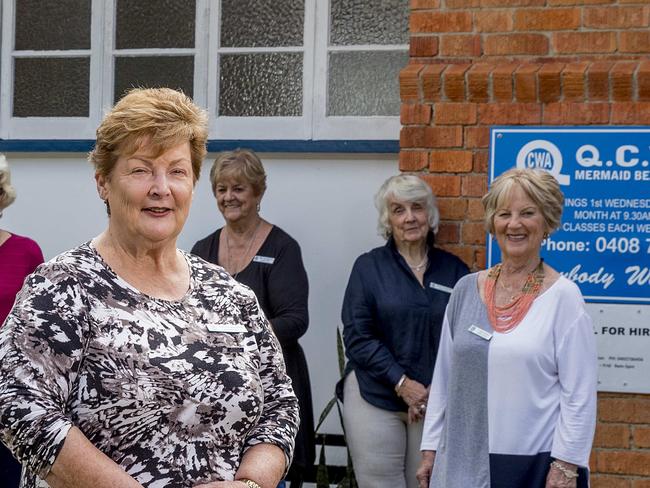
(479, 63)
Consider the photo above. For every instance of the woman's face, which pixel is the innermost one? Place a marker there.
(519, 226)
(149, 196)
(409, 221)
(236, 199)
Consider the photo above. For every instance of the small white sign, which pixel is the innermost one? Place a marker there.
(623, 336)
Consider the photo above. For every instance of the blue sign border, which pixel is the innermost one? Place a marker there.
(492, 251)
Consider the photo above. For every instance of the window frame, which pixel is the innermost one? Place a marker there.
(270, 128)
(345, 127)
(47, 127)
(312, 125)
(110, 52)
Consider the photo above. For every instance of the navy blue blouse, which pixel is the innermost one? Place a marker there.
(391, 323)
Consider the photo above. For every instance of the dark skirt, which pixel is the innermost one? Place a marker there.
(9, 469)
(514, 471)
(305, 451)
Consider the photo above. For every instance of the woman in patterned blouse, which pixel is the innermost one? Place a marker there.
(126, 362)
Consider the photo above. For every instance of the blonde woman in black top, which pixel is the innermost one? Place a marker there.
(268, 260)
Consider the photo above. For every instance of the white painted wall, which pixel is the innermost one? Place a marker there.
(324, 202)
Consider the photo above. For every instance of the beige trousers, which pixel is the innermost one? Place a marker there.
(385, 449)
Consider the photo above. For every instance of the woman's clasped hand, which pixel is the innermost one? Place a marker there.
(415, 395)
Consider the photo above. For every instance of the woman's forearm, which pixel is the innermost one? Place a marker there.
(81, 465)
(290, 326)
(264, 464)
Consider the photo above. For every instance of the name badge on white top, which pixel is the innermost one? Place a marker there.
(232, 328)
(439, 287)
(264, 259)
(483, 334)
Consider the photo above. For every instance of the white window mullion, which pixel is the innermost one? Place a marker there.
(258, 50)
(168, 51)
(97, 78)
(308, 74)
(6, 68)
(320, 69)
(369, 47)
(201, 48)
(72, 53)
(212, 53)
(108, 60)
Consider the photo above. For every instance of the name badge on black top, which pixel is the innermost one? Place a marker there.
(264, 259)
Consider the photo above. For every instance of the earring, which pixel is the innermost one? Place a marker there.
(257, 207)
(545, 235)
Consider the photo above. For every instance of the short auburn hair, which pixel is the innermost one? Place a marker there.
(161, 117)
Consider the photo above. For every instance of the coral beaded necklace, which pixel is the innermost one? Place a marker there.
(506, 318)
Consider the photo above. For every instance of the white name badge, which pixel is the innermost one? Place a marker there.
(264, 259)
(483, 334)
(232, 328)
(439, 287)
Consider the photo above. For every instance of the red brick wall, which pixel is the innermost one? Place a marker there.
(479, 63)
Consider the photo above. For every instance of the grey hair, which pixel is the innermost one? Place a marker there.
(406, 188)
(7, 192)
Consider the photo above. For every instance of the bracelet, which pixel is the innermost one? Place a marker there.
(400, 383)
(249, 483)
(568, 474)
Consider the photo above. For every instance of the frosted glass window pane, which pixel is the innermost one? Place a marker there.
(154, 24)
(51, 87)
(364, 82)
(154, 72)
(354, 22)
(263, 85)
(268, 23)
(52, 24)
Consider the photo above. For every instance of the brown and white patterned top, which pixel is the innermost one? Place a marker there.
(173, 391)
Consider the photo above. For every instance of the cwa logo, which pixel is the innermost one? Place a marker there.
(544, 155)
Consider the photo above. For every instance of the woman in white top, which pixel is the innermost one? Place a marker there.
(513, 398)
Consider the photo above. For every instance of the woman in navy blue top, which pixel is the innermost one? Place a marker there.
(392, 315)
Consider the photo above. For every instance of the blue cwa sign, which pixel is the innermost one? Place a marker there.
(603, 243)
